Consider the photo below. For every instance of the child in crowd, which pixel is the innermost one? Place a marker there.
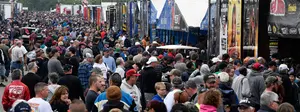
(160, 88)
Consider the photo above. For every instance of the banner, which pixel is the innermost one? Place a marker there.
(98, 16)
(152, 13)
(250, 28)
(57, 8)
(234, 28)
(166, 16)
(284, 19)
(85, 13)
(223, 26)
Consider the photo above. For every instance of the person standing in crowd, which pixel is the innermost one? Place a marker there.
(286, 83)
(96, 84)
(38, 104)
(199, 73)
(77, 106)
(60, 101)
(129, 86)
(31, 78)
(95, 48)
(177, 86)
(174, 73)
(10, 96)
(148, 79)
(156, 106)
(52, 86)
(133, 50)
(286, 107)
(2, 68)
(257, 84)
(100, 64)
(241, 84)
(42, 63)
(215, 62)
(5, 48)
(295, 88)
(245, 106)
(160, 88)
(18, 56)
(180, 65)
(211, 101)
(137, 58)
(72, 82)
(120, 67)
(84, 70)
(129, 63)
(191, 88)
(271, 70)
(108, 60)
(115, 80)
(268, 102)
(114, 96)
(54, 64)
(74, 60)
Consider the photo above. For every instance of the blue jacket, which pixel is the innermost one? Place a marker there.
(157, 98)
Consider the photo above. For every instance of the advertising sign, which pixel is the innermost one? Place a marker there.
(223, 26)
(250, 28)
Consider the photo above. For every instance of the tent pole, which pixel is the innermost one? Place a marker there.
(208, 34)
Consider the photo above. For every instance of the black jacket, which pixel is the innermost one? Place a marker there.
(265, 109)
(30, 79)
(229, 97)
(287, 84)
(59, 106)
(113, 104)
(74, 86)
(74, 61)
(95, 50)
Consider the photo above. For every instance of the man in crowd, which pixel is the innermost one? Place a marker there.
(268, 102)
(31, 78)
(10, 95)
(74, 60)
(137, 58)
(96, 83)
(84, 70)
(77, 106)
(108, 60)
(120, 67)
(38, 104)
(180, 65)
(72, 82)
(18, 56)
(129, 86)
(272, 69)
(191, 88)
(177, 86)
(4, 47)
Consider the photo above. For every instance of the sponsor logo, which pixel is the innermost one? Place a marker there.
(284, 30)
(293, 31)
(269, 29)
(292, 8)
(274, 29)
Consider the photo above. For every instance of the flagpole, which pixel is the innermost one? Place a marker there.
(208, 32)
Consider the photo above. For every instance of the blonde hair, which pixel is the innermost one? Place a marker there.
(159, 85)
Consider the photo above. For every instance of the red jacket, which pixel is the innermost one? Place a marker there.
(15, 90)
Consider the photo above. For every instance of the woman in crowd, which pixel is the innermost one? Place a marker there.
(211, 101)
(60, 101)
(156, 106)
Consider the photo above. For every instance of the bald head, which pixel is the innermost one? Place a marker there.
(77, 106)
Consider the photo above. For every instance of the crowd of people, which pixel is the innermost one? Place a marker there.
(72, 65)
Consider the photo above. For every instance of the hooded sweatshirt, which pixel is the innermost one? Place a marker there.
(134, 92)
(241, 87)
(257, 85)
(204, 70)
(207, 108)
(52, 89)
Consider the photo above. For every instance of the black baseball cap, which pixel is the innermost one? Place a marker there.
(209, 78)
(67, 67)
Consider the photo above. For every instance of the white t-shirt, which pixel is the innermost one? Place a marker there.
(18, 52)
(39, 105)
(103, 68)
(169, 100)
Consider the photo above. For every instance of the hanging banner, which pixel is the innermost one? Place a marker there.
(57, 8)
(85, 13)
(166, 16)
(284, 19)
(98, 16)
(223, 27)
(89, 14)
(234, 28)
(250, 28)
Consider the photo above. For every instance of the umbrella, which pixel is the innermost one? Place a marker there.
(176, 47)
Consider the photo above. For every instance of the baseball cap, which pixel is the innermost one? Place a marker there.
(209, 78)
(283, 67)
(20, 106)
(132, 72)
(177, 82)
(190, 84)
(272, 63)
(224, 77)
(105, 49)
(215, 60)
(245, 103)
(154, 42)
(137, 43)
(67, 67)
(97, 70)
(272, 79)
(256, 66)
(151, 60)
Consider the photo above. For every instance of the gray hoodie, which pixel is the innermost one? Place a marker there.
(257, 85)
(204, 70)
(52, 88)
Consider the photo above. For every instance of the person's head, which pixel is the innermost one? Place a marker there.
(245, 106)
(222, 66)
(41, 90)
(272, 66)
(132, 76)
(53, 53)
(96, 71)
(181, 97)
(89, 57)
(191, 106)
(98, 59)
(190, 87)
(261, 60)
(174, 73)
(53, 78)
(225, 57)
(160, 88)
(230, 70)
(113, 93)
(77, 106)
(105, 52)
(224, 77)
(20, 106)
(179, 58)
(292, 77)
(97, 82)
(115, 80)
(210, 81)
(272, 82)
(286, 107)
(179, 107)
(243, 71)
(139, 50)
(32, 67)
(212, 97)
(177, 83)
(72, 50)
(257, 66)
(269, 99)
(68, 69)
(60, 94)
(194, 56)
(16, 74)
(283, 69)
(152, 61)
(156, 106)
(120, 62)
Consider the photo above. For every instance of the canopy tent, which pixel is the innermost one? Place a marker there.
(176, 47)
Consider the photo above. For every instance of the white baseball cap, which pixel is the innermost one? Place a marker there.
(137, 43)
(215, 60)
(151, 60)
(283, 67)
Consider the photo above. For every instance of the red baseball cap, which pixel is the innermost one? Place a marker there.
(132, 72)
(256, 66)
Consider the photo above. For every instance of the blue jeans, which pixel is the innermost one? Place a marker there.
(2, 71)
(15, 65)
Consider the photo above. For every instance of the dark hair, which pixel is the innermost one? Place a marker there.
(194, 56)
(179, 108)
(225, 56)
(53, 77)
(243, 71)
(93, 79)
(115, 79)
(72, 50)
(139, 50)
(39, 87)
(16, 74)
(189, 64)
(57, 94)
(130, 57)
(157, 106)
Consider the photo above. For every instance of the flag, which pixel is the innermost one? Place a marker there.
(152, 13)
